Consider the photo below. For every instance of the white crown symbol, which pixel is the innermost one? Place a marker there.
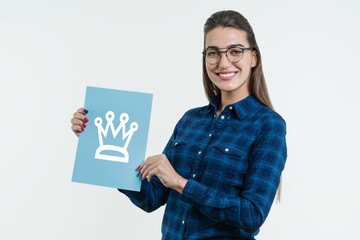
(124, 118)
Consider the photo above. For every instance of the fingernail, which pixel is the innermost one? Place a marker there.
(139, 167)
(84, 125)
(86, 111)
(82, 129)
(86, 120)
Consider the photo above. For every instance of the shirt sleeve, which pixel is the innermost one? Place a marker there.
(152, 194)
(250, 209)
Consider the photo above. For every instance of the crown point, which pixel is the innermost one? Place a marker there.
(98, 121)
(134, 126)
(110, 115)
(124, 118)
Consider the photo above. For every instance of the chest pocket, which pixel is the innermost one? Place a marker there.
(227, 164)
(182, 155)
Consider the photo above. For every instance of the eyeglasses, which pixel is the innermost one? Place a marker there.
(234, 54)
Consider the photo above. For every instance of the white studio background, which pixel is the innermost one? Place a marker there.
(51, 50)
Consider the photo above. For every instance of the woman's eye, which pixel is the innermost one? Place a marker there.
(235, 51)
(212, 53)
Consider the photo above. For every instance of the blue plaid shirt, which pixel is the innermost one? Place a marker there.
(233, 163)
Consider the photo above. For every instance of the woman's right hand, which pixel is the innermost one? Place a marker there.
(78, 121)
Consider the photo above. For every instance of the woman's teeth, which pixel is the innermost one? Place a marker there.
(227, 74)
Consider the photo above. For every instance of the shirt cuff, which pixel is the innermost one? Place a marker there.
(193, 192)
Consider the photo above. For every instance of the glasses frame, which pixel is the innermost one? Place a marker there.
(243, 49)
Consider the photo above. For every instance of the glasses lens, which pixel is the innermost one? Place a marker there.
(234, 54)
(212, 56)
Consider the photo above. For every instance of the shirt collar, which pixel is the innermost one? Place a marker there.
(241, 108)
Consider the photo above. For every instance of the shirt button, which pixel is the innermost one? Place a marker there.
(230, 107)
(183, 222)
(175, 143)
(210, 134)
(222, 117)
(194, 175)
(226, 149)
(199, 152)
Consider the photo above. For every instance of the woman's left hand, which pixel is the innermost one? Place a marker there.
(160, 166)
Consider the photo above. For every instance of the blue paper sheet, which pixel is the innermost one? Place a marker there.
(114, 141)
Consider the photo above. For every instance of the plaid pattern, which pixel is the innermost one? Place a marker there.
(233, 163)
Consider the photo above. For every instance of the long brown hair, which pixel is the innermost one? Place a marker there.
(257, 85)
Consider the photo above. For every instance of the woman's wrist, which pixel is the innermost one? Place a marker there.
(181, 183)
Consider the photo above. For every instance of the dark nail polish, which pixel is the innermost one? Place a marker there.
(82, 129)
(86, 111)
(86, 120)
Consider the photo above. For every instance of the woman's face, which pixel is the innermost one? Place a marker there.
(231, 78)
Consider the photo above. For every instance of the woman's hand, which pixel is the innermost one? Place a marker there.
(160, 166)
(79, 121)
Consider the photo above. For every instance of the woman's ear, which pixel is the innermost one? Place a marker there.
(254, 59)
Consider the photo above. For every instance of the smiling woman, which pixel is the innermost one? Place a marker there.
(229, 74)
(220, 170)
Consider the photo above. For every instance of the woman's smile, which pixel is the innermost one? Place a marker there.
(225, 76)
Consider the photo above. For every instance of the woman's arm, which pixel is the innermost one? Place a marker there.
(152, 195)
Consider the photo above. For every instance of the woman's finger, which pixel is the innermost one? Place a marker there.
(149, 165)
(151, 174)
(145, 170)
(78, 121)
(82, 111)
(77, 129)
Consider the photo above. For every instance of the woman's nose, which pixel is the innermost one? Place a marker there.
(224, 61)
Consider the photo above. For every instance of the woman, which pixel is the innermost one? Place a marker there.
(220, 170)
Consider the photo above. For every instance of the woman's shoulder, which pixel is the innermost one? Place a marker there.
(256, 112)
(191, 117)
(269, 113)
(268, 117)
(197, 111)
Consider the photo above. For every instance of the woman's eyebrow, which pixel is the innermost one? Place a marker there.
(230, 46)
